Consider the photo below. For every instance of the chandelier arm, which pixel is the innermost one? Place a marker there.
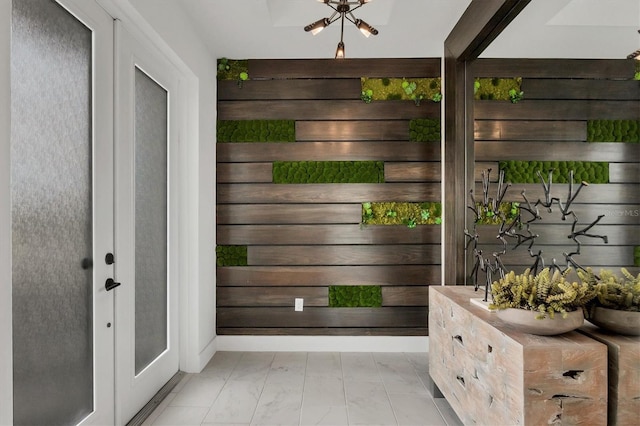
(353, 21)
(333, 18)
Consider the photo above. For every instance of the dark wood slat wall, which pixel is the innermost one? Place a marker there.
(550, 124)
(302, 238)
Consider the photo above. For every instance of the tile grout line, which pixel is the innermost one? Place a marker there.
(304, 385)
(344, 388)
(386, 391)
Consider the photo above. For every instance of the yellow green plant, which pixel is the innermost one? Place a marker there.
(612, 291)
(547, 292)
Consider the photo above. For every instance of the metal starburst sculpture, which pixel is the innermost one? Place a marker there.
(515, 229)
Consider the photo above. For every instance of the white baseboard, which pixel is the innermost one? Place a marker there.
(323, 343)
(206, 354)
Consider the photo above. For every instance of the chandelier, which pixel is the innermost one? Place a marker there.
(342, 9)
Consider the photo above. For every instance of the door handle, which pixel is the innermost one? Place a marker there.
(110, 284)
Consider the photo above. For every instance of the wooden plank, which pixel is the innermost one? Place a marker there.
(623, 403)
(328, 275)
(380, 130)
(390, 254)
(271, 296)
(530, 130)
(555, 68)
(557, 151)
(616, 90)
(349, 68)
(244, 173)
(324, 331)
(405, 296)
(334, 88)
(623, 172)
(557, 110)
(541, 378)
(344, 255)
(313, 296)
(328, 151)
(325, 110)
(558, 234)
(239, 214)
(322, 317)
(491, 168)
(326, 193)
(609, 193)
(614, 256)
(412, 172)
(615, 214)
(326, 234)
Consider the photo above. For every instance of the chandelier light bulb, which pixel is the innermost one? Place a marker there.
(365, 28)
(340, 51)
(317, 26)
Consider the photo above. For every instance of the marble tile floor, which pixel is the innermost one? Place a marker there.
(306, 388)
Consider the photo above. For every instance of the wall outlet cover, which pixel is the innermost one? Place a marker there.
(299, 303)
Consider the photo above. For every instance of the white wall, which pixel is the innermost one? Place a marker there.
(6, 369)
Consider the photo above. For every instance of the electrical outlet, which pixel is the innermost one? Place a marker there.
(299, 304)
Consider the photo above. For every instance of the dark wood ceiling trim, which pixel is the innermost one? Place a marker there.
(479, 25)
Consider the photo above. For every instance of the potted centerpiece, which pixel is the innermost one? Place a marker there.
(546, 303)
(616, 306)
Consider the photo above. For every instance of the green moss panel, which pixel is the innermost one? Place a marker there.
(525, 171)
(424, 130)
(328, 172)
(230, 69)
(231, 255)
(391, 88)
(636, 256)
(488, 217)
(496, 88)
(256, 131)
(357, 296)
(397, 213)
(613, 131)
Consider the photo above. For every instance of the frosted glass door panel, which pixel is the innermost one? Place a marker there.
(151, 118)
(51, 149)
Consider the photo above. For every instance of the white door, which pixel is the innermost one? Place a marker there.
(146, 317)
(62, 212)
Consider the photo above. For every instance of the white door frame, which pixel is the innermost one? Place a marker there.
(6, 315)
(192, 357)
(133, 390)
(100, 23)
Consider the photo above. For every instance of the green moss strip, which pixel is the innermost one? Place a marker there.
(613, 131)
(357, 296)
(636, 256)
(235, 67)
(525, 171)
(424, 130)
(231, 255)
(391, 88)
(328, 172)
(256, 131)
(488, 217)
(396, 213)
(496, 88)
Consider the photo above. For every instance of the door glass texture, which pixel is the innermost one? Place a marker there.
(51, 195)
(151, 118)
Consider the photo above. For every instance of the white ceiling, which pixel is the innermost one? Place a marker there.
(258, 29)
